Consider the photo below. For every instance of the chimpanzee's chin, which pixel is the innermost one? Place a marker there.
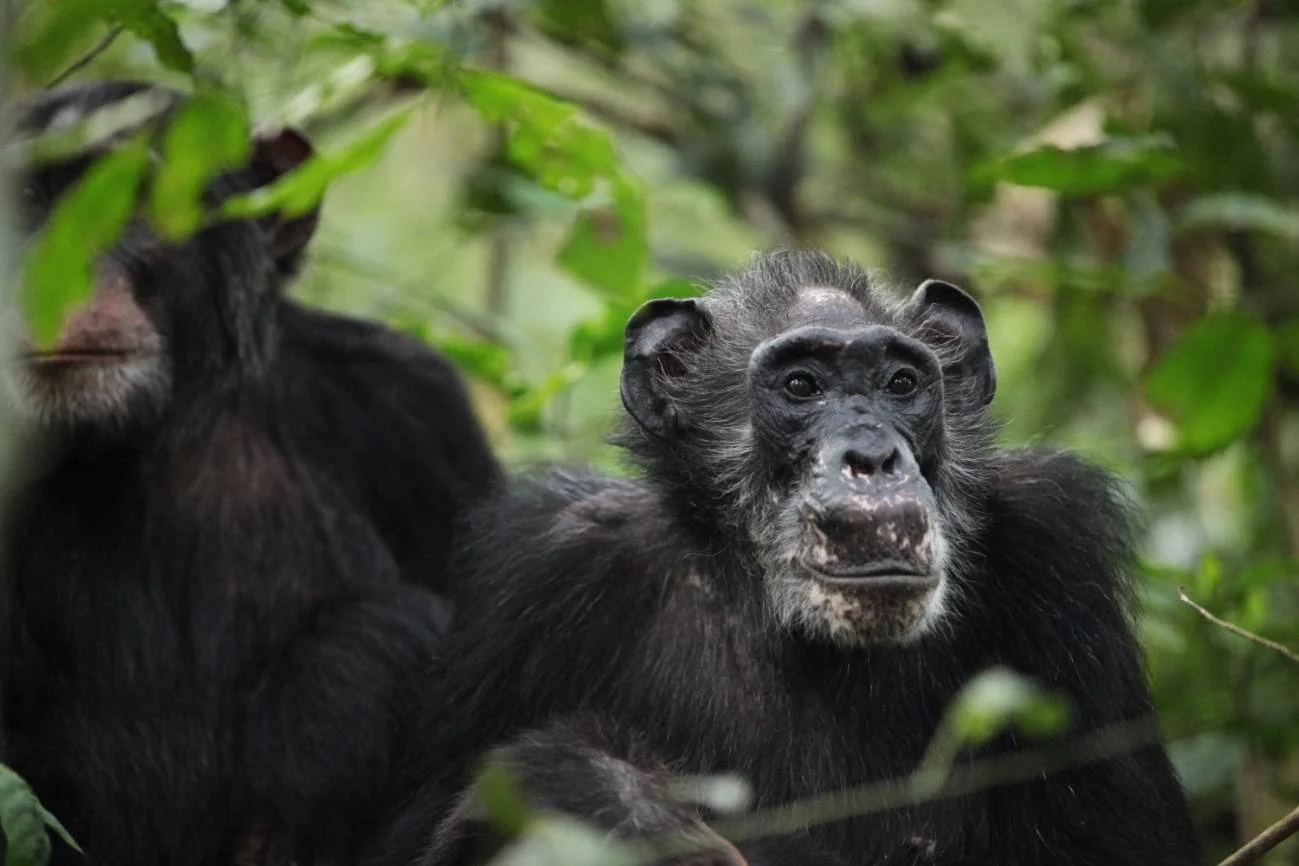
(106, 393)
(855, 612)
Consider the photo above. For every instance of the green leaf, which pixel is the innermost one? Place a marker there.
(524, 414)
(208, 135)
(65, 27)
(602, 335)
(58, 269)
(557, 840)
(1113, 166)
(1288, 338)
(158, 29)
(999, 699)
(501, 800)
(27, 843)
(673, 287)
(51, 33)
(24, 821)
(1242, 211)
(53, 823)
(300, 190)
(490, 362)
(546, 137)
(607, 247)
(580, 22)
(1214, 382)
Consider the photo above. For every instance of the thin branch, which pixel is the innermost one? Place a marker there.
(1237, 630)
(89, 56)
(930, 784)
(1265, 841)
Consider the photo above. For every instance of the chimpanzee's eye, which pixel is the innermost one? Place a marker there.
(902, 383)
(801, 386)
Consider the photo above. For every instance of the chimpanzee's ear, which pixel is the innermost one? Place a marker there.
(276, 153)
(658, 338)
(952, 321)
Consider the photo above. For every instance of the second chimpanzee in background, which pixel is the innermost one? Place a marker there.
(207, 633)
(825, 547)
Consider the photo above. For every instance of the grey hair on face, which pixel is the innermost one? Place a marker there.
(105, 397)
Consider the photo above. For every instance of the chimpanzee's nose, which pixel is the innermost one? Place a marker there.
(873, 457)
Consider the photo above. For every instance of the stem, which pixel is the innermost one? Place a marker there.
(81, 63)
(1237, 630)
(1264, 842)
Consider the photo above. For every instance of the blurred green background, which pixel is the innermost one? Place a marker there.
(1117, 181)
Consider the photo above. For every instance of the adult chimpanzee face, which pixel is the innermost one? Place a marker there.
(829, 424)
(163, 320)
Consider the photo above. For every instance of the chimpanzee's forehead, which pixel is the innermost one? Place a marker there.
(827, 306)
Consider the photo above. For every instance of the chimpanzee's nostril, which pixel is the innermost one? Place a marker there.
(867, 463)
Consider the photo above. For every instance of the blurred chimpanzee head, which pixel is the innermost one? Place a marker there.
(169, 327)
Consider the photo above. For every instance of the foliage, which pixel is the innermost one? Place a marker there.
(1117, 181)
(25, 823)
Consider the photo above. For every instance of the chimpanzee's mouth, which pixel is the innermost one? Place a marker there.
(76, 357)
(882, 574)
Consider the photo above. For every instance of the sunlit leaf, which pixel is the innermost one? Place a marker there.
(58, 269)
(1207, 577)
(600, 336)
(607, 247)
(1214, 382)
(999, 699)
(300, 190)
(579, 22)
(1242, 211)
(501, 799)
(724, 794)
(52, 32)
(1113, 166)
(65, 26)
(546, 137)
(556, 840)
(484, 360)
(156, 27)
(673, 287)
(524, 414)
(208, 135)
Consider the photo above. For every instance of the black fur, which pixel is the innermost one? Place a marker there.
(640, 603)
(207, 635)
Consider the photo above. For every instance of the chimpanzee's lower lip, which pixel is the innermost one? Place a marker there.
(886, 574)
(74, 357)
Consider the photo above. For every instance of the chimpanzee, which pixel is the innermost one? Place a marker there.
(824, 547)
(207, 636)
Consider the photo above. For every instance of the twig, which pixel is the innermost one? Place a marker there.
(1237, 630)
(1265, 841)
(928, 785)
(90, 55)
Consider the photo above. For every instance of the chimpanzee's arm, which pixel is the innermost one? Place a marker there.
(320, 722)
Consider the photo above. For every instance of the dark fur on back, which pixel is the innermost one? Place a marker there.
(638, 602)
